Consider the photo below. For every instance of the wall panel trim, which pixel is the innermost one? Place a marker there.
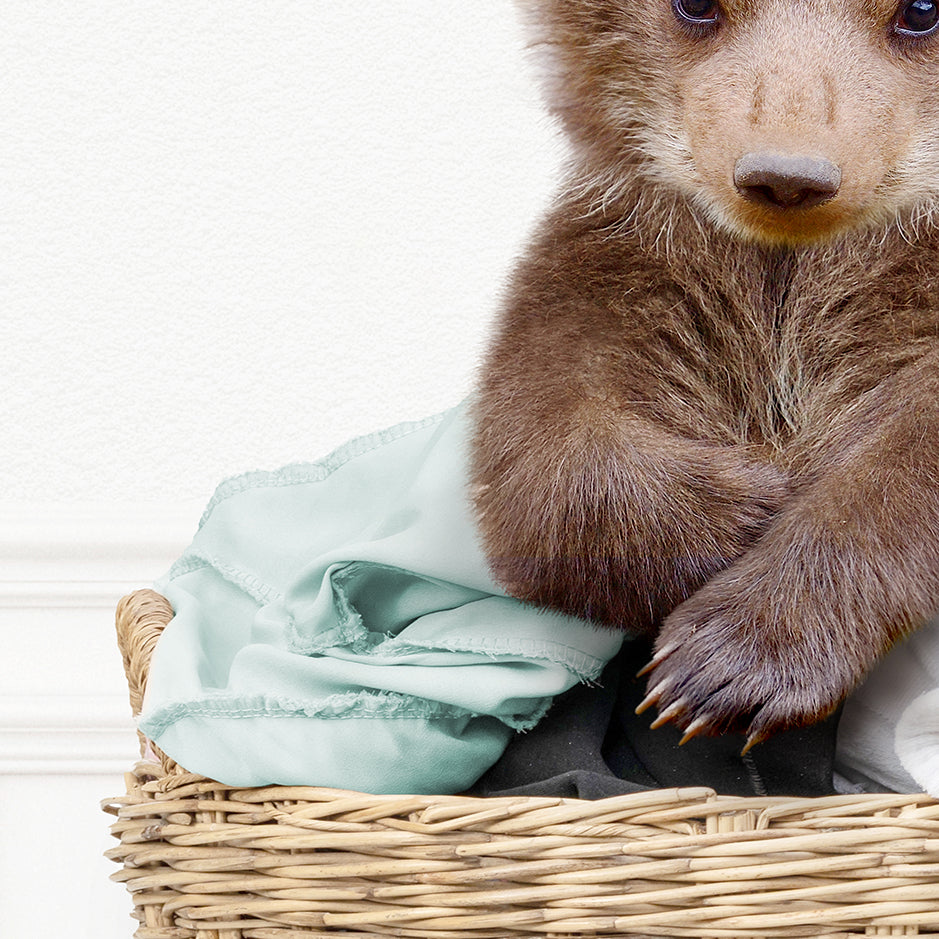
(63, 567)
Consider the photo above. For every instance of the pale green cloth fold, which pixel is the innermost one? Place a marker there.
(336, 625)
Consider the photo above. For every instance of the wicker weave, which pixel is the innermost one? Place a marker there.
(205, 861)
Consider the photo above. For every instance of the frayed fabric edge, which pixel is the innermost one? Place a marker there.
(317, 470)
(385, 705)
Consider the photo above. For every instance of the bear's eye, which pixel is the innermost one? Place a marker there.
(917, 18)
(703, 12)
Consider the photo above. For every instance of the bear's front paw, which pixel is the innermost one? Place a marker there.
(725, 665)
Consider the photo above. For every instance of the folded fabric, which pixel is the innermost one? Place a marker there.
(889, 733)
(917, 741)
(336, 625)
(592, 744)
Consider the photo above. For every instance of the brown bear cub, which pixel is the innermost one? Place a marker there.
(711, 407)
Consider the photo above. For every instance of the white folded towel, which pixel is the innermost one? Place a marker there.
(889, 732)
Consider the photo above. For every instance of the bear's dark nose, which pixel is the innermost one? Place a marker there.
(785, 181)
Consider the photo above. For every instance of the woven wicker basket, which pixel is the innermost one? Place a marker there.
(205, 861)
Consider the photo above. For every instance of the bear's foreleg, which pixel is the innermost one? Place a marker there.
(602, 514)
(849, 566)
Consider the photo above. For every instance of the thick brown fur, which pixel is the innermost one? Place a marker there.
(712, 417)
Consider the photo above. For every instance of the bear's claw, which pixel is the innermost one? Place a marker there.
(728, 667)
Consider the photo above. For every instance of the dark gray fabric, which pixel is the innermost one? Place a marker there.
(591, 744)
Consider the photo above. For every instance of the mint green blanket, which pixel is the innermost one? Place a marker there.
(336, 626)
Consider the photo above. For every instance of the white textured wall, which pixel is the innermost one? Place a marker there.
(234, 234)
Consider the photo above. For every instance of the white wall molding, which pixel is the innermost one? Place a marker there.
(66, 595)
(63, 700)
(83, 552)
(58, 735)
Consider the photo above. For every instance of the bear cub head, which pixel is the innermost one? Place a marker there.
(783, 121)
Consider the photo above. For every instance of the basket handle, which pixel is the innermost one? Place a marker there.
(140, 619)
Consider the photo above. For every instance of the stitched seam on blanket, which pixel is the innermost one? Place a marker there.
(300, 473)
(253, 586)
(582, 665)
(585, 666)
(351, 705)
